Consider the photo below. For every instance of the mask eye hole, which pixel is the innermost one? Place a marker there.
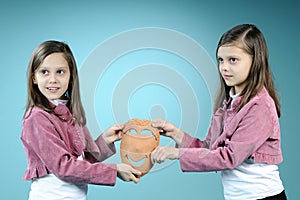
(132, 131)
(146, 132)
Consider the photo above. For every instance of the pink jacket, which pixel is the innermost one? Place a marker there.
(253, 132)
(52, 145)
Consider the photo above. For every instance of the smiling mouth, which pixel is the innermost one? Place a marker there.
(52, 89)
(136, 163)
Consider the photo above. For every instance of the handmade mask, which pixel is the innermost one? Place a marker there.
(139, 139)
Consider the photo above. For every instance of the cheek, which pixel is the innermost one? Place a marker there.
(65, 84)
(246, 72)
(38, 82)
(40, 88)
(64, 81)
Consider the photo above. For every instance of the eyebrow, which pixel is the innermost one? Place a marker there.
(56, 67)
(59, 67)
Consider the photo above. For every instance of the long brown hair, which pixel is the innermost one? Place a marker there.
(36, 98)
(251, 40)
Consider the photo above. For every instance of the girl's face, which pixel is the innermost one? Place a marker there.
(234, 66)
(52, 76)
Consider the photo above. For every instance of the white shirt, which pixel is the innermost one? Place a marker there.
(251, 181)
(50, 187)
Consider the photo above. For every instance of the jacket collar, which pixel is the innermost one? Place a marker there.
(239, 99)
(63, 112)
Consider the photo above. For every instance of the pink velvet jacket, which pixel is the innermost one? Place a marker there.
(53, 143)
(252, 132)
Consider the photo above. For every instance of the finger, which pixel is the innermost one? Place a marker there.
(162, 131)
(156, 155)
(135, 175)
(163, 125)
(117, 127)
(119, 135)
(121, 126)
(153, 156)
(158, 123)
(136, 172)
(159, 158)
(135, 179)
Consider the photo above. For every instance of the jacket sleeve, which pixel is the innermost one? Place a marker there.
(98, 150)
(233, 146)
(41, 135)
(191, 142)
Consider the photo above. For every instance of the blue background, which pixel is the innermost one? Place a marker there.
(86, 24)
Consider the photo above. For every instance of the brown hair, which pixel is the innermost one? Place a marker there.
(36, 98)
(251, 40)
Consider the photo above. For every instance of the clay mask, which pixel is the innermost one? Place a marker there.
(139, 139)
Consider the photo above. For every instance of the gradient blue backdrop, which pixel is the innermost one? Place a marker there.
(86, 24)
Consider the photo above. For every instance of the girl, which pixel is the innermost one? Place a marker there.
(243, 140)
(61, 154)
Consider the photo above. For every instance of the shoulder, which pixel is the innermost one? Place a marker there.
(36, 115)
(35, 111)
(261, 105)
(263, 99)
(35, 122)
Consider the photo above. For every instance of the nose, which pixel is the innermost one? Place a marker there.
(52, 78)
(223, 66)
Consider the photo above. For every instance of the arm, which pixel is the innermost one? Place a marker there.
(182, 139)
(98, 150)
(233, 146)
(41, 135)
(191, 142)
(106, 147)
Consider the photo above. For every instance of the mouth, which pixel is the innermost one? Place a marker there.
(138, 162)
(53, 89)
(227, 76)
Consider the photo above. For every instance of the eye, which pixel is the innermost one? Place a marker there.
(220, 60)
(60, 72)
(233, 60)
(44, 72)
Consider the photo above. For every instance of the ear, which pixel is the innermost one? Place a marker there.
(34, 79)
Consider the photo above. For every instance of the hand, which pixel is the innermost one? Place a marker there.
(160, 154)
(113, 133)
(127, 173)
(169, 130)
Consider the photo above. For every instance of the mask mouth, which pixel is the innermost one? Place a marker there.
(136, 162)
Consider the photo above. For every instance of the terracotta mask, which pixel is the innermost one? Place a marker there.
(139, 139)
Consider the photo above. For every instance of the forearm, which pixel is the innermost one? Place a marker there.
(204, 160)
(97, 150)
(178, 137)
(105, 150)
(188, 141)
(82, 172)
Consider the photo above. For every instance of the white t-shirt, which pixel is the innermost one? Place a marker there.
(251, 181)
(50, 187)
